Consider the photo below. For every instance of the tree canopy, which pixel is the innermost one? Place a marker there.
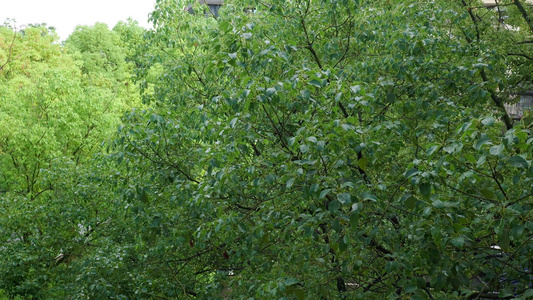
(283, 150)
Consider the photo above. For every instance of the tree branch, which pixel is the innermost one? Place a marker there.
(524, 13)
(520, 54)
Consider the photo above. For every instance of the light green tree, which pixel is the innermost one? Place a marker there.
(49, 111)
(53, 120)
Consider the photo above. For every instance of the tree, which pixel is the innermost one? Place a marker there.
(334, 148)
(102, 55)
(52, 123)
(308, 149)
(49, 109)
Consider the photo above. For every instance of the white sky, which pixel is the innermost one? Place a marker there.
(64, 15)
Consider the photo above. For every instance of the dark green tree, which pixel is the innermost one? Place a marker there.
(320, 149)
(301, 150)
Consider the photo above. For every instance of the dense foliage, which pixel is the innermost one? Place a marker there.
(291, 149)
(57, 106)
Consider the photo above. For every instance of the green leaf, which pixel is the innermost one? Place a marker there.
(290, 281)
(232, 122)
(410, 201)
(334, 206)
(419, 294)
(220, 175)
(156, 221)
(496, 150)
(470, 158)
(449, 149)
(347, 184)
(324, 193)
(344, 198)
(225, 26)
(320, 260)
(425, 189)
(270, 178)
(300, 294)
(304, 148)
(518, 231)
(505, 293)
(357, 207)
(320, 146)
(338, 97)
(482, 141)
(305, 94)
(458, 241)
(431, 150)
(291, 141)
(504, 240)
(289, 183)
(481, 161)
(487, 193)
(343, 246)
(354, 220)
(518, 162)
(316, 83)
(445, 204)
(369, 196)
(411, 288)
(270, 91)
(391, 97)
(355, 89)
(488, 121)
(464, 128)
(527, 294)
(143, 196)
(362, 163)
(411, 173)
(427, 211)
